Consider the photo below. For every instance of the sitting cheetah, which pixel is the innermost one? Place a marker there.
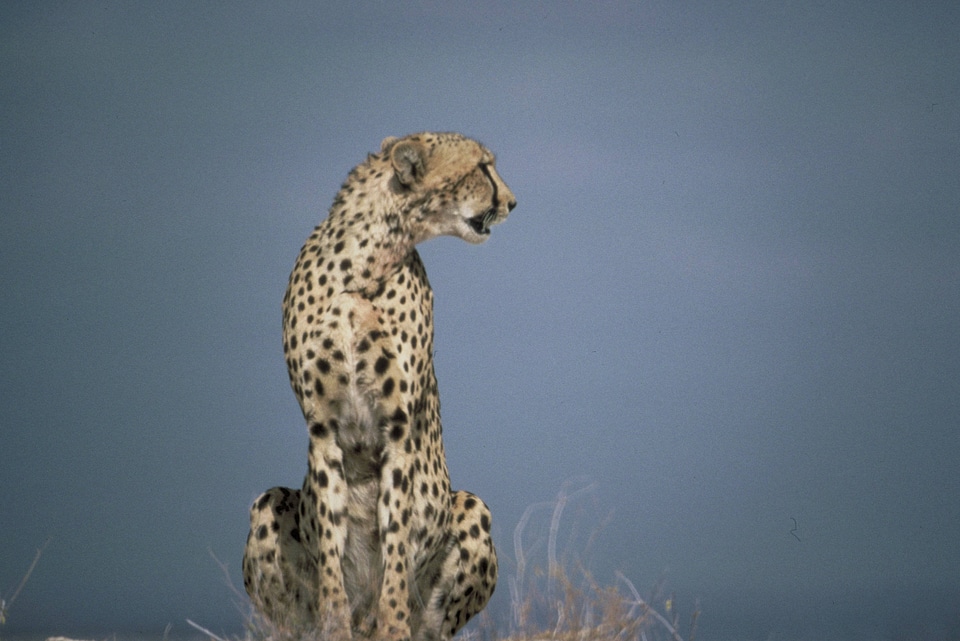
(375, 544)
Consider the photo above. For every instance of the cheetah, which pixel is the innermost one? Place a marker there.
(375, 545)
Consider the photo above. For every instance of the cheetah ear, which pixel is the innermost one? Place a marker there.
(409, 161)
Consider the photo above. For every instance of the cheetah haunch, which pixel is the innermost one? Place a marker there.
(375, 544)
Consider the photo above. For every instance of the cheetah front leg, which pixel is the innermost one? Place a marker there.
(394, 517)
(323, 527)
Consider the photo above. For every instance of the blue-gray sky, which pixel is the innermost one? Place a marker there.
(729, 295)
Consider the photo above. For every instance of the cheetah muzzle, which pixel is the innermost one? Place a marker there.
(375, 544)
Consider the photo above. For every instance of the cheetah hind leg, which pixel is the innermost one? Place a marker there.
(278, 573)
(469, 571)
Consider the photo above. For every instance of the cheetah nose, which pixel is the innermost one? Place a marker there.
(511, 205)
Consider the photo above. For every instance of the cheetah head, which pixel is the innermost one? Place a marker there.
(454, 183)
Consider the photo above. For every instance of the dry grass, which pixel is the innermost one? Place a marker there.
(5, 604)
(561, 600)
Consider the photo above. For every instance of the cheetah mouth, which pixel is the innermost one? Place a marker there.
(481, 222)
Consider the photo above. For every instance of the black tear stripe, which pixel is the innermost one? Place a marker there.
(493, 183)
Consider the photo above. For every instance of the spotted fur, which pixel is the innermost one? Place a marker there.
(375, 544)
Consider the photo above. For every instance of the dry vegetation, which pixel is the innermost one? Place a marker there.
(5, 604)
(562, 600)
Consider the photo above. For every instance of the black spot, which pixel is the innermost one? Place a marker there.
(318, 430)
(322, 479)
(381, 365)
(388, 387)
(397, 477)
(323, 365)
(345, 264)
(338, 247)
(396, 432)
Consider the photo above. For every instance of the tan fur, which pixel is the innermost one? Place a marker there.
(375, 544)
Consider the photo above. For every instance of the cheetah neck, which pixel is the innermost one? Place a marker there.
(365, 239)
